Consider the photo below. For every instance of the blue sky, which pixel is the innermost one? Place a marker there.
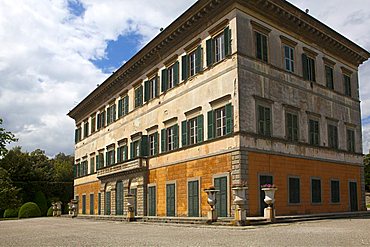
(58, 51)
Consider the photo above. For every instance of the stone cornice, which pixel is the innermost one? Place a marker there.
(178, 32)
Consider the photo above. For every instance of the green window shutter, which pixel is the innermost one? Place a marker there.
(114, 112)
(125, 153)
(106, 159)
(76, 135)
(144, 148)
(103, 119)
(289, 126)
(125, 102)
(200, 121)
(108, 115)
(227, 37)
(176, 136)
(176, 73)
(295, 127)
(163, 140)
(119, 155)
(120, 103)
(131, 150)
(164, 80)
(258, 45)
(211, 127)
(185, 65)
(98, 121)
(146, 90)
(184, 134)
(74, 171)
(155, 143)
(198, 60)
(229, 118)
(264, 48)
(268, 121)
(209, 50)
(97, 162)
(140, 96)
(156, 85)
(305, 66)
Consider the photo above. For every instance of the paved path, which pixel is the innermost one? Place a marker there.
(77, 232)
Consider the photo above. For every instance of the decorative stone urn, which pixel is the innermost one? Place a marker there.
(240, 201)
(59, 208)
(130, 199)
(211, 200)
(54, 205)
(74, 207)
(269, 211)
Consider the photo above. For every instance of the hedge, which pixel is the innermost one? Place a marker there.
(41, 201)
(29, 210)
(11, 213)
(50, 211)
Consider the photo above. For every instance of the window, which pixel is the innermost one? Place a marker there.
(316, 190)
(261, 46)
(218, 47)
(329, 77)
(99, 203)
(111, 114)
(170, 199)
(78, 133)
(86, 129)
(192, 63)
(83, 204)
(193, 198)
(122, 154)
(92, 165)
(83, 168)
(314, 132)
(139, 147)
(101, 119)
(347, 85)
(289, 58)
(308, 65)
(99, 161)
(332, 136)
(170, 77)
(93, 123)
(153, 144)
(264, 120)
(220, 121)
(350, 140)
(91, 204)
(292, 126)
(294, 190)
(123, 106)
(110, 159)
(192, 131)
(139, 96)
(170, 138)
(151, 89)
(335, 195)
(152, 201)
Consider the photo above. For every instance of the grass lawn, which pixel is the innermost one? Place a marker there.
(1, 219)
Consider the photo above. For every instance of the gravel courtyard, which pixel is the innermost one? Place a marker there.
(77, 232)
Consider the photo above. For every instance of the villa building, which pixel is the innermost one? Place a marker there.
(232, 92)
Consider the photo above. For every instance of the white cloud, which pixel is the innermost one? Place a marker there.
(46, 53)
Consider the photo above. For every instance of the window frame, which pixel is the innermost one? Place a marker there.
(313, 143)
(290, 60)
(351, 140)
(258, 118)
(262, 55)
(333, 141)
(222, 124)
(311, 67)
(331, 191)
(192, 63)
(192, 128)
(329, 83)
(347, 85)
(312, 192)
(291, 136)
(219, 47)
(299, 190)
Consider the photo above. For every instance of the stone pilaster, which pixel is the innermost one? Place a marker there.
(239, 173)
(140, 200)
(125, 192)
(113, 199)
(362, 184)
(102, 199)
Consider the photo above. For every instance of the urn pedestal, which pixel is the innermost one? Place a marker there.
(240, 200)
(269, 212)
(130, 206)
(211, 200)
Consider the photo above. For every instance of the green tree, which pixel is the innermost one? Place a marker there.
(6, 137)
(8, 192)
(367, 171)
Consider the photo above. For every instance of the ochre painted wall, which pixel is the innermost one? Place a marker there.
(87, 189)
(281, 168)
(204, 169)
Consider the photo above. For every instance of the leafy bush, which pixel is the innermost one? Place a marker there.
(11, 213)
(50, 211)
(2, 213)
(41, 201)
(29, 210)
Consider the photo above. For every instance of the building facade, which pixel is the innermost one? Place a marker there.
(232, 92)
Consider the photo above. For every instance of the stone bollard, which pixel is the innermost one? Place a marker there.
(211, 200)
